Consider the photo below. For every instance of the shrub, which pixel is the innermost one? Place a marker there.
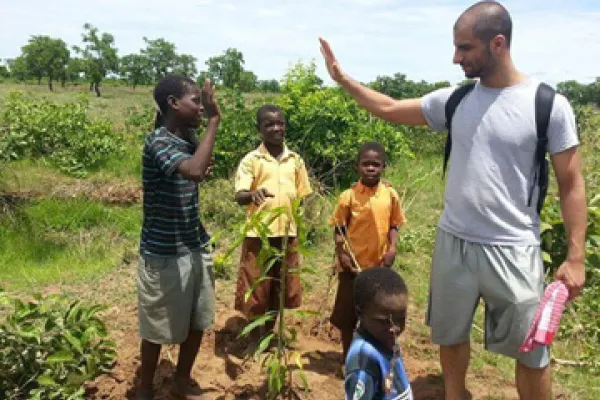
(50, 347)
(62, 133)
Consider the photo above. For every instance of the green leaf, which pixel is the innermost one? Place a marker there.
(544, 226)
(93, 310)
(91, 365)
(303, 314)
(74, 379)
(256, 283)
(76, 343)
(259, 321)
(46, 380)
(262, 346)
(304, 380)
(60, 357)
(297, 357)
(546, 257)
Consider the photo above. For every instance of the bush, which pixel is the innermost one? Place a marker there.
(554, 245)
(140, 121)
(326, 126)
(62, 133)
(237, 133)
(50, 347)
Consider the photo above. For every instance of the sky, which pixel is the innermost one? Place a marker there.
(553, 40)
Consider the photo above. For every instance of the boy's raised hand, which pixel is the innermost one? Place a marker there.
(259, 196)
(333, 66)
(211, 108)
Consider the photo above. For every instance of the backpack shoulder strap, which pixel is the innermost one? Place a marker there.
(544, 101)
(450, 107)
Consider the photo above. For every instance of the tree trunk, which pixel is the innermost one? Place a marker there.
(39, 80)
(91, 86)
(50, 85)
(97, 88)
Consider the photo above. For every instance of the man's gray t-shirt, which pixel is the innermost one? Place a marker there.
(492, 160)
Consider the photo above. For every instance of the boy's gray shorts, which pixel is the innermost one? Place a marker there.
(175, 295)
(510, 280)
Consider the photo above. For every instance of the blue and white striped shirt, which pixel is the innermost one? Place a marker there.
(367, 365)
(171, 224)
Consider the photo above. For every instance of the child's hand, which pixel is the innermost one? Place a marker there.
(345, 261)
(389, 257)
(259, 196)
(211, 108)
(210, 167)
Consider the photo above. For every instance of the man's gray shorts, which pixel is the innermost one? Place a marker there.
(175, 295)
(510, 280)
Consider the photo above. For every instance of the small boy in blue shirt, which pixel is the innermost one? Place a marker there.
(374, 367)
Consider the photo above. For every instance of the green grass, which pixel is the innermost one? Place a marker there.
(55, 240)
(113, 104)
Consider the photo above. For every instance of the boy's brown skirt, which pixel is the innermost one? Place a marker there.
(265, 296)
(343, 315)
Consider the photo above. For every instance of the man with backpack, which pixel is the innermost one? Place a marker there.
(488, 241)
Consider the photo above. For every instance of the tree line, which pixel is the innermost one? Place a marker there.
(50, 59)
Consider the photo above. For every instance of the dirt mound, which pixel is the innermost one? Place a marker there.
(113, 193)
(119, 193)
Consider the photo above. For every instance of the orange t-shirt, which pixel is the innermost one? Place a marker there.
(368, 214)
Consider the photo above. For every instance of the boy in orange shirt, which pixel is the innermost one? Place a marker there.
(269, 177)
(366, 221)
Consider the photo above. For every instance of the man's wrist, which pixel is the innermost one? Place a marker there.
(576, 259)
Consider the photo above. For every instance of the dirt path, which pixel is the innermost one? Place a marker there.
(225, 375)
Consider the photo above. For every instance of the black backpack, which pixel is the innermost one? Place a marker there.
(544, 100)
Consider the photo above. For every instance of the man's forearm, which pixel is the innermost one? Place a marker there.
(375, 102)
(574, 212)
(406, 111)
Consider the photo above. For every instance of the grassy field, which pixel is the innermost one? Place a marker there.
(60, 230)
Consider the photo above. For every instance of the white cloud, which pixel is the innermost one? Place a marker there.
(553, 40)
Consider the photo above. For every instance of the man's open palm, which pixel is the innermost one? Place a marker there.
(333, 67)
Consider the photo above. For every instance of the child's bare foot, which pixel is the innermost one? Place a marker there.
(187, 389)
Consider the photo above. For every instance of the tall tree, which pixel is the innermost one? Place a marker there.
(18, 68)
(99, 54)
(45, 56)
(227, 68)
(135, 68)
(161, 55)
(73, 71)
(4, 71)
(185, 64)
(247, 81)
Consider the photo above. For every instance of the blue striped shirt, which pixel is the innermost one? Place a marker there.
(171, 224)
(367, 365)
